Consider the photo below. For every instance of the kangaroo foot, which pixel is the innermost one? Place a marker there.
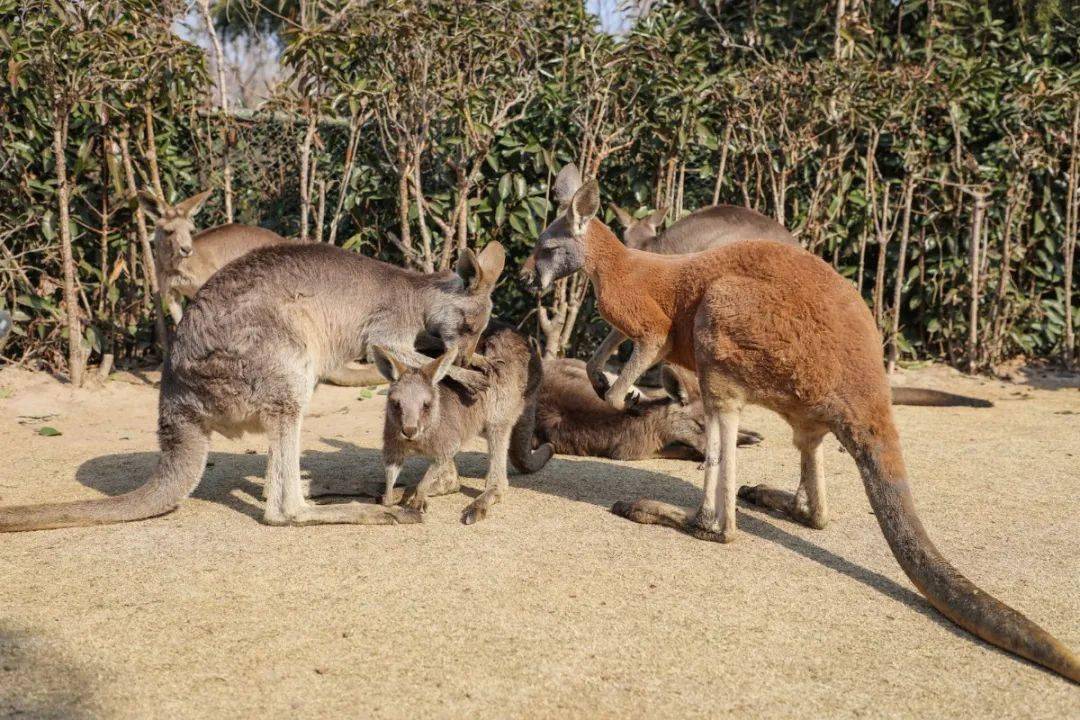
(414, 499)
(702, 526)
(479, 508)
(749, 437)
(783, 502)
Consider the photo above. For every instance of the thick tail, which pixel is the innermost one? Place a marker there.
(184, 448)
(522, 454)
(935, 398)
(363, 376)
(955, 597)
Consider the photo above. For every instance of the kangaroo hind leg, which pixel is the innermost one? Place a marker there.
(497, 481)
(808, 505)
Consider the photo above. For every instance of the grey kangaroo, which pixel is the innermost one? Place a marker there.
(577, 422)
(250, 350)
(5, 327)
(185, 259)
(427, 418)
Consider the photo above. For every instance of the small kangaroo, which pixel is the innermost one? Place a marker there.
(427, 418)
(576, 422)
(772, 324)
(249, 352)
(185, 261)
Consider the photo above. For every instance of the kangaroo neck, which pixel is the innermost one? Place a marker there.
(607, 261)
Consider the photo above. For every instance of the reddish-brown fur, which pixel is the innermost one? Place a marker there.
(771, 324)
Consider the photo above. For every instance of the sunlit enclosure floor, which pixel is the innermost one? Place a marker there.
(553, 607)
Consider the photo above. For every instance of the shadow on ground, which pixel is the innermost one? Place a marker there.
(36, 682)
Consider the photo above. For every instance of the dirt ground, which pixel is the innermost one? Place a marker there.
(553, 607)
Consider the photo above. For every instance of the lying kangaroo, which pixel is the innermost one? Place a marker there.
(5, 327)
(249, 352)
(772, 324)
(185, 259)
(424, 417)
(577, 422)
(720, 225)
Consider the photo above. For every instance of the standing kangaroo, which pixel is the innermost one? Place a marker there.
(430, 419)
(577, 422)
(250, 350)
(185, 259)
(771, 324)
(720, 225)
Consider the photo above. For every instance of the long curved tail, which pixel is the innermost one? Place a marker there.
(957, 598)
(522, 454)
(184, 449)
(935, 398)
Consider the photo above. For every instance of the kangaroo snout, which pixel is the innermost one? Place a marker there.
(185, 252)
(409, 431)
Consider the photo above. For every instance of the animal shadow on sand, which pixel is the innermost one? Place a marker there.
(235, 480)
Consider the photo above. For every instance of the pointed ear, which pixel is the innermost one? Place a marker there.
(436, 370)
(658, 217)
(481, 272)
(389, 366)
(191, 207)
(584, 206)
(151, 204)
(625, 219)
(673, 386)
(567, 183)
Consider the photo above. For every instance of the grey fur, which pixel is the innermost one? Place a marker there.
(247, 356)
(703, 229)
(5, 327)
(432, 420)
(577, 422)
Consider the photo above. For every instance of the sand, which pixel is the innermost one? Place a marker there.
(551, 608)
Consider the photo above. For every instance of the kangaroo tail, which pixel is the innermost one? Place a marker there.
(957, 598)
(935, 398)
(522, 454)
(346, 376)
(184, 449)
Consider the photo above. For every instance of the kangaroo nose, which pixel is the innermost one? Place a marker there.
(409, 431)
(185, 252)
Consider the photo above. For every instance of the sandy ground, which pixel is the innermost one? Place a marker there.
(552, 608)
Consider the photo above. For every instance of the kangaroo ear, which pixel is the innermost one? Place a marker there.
(567, 183)
(658, 217)
(191, 207)
(585, 205)
(481, 272)
(151, 204)
(436, 370)
(389, 366)
(625, 219)
(674, 386)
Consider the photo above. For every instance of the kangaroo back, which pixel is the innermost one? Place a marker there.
(716, 226)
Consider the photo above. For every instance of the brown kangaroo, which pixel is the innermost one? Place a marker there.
(720, 225)
(428, 418)
(772, 324)
(577, 422)
(248, 355)
(185, 261)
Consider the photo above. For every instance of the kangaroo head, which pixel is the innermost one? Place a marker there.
(560, 249)
(640, 234)
(174, 225)
(459, 313)
(685, 414)
(412, 402)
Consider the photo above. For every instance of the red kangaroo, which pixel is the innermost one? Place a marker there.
(810, 351)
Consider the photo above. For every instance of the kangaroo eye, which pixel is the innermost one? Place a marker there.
(427, 405)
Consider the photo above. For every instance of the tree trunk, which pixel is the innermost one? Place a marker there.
(723, 164)
(151, 151)
(898, 291)
(973, 259)
(305, 177)
(219, 62)
(1072, 226)
(71, 301)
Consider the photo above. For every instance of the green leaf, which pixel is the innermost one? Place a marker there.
(48, 431)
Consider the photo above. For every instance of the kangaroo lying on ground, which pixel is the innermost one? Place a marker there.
(720, 225)
(185, 259)
(772, 324)
(577, 422)
(250, 350)
(433, 420)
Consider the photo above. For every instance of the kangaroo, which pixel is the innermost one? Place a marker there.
(424, 417)
(772, 324)
(185, 261)
(247, 357)
(5, 327)
(720, 225)
(577, 422)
